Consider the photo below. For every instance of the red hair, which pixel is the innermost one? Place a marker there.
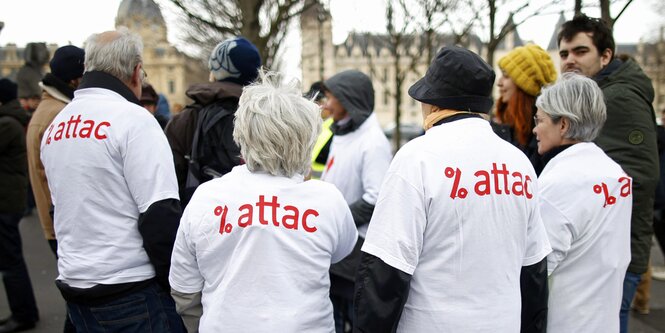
(518, 114)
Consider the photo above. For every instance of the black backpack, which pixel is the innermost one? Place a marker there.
(213, 151)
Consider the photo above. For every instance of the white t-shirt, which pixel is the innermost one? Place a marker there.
(357, 163)
(106, 160)
(458, 211)
(590, 235)
(270, 275)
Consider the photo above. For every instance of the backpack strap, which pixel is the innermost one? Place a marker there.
(202, 127)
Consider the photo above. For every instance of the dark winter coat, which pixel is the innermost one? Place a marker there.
(180, 129)
(629, 138)
(13, 159)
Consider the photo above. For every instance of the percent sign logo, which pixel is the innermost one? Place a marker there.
(609, 200)
(223, 226)
(456, 191)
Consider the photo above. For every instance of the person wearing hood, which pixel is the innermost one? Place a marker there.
(13, 191)
(357, 162)
(586, 46)
(233, 64)
(456, 239)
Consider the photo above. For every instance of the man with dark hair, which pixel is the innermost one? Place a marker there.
(149, 99)
(586, 46)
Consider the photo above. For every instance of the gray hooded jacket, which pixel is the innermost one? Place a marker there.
(354, 91)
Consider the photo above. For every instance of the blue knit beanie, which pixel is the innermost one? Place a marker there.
(235, 60)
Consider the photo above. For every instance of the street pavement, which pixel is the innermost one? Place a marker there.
(43, 271)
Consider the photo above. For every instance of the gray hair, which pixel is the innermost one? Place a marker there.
(578, 99)
(276, 127)
(114, 52)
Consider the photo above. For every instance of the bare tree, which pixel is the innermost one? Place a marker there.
(605, 12)
(523, 9)
(435, 14)
(263, 22)
(604, 6)
(402, 43)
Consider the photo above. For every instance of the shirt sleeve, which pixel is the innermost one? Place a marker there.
(560, 231)
(396, 232)
(185, 276)
(148, 164)
(537, 246)
(348, 233)
(376, 161)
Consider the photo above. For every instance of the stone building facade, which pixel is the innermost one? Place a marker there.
(370, 54)
(169, 71)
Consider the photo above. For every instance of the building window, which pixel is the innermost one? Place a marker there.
(171, 87)
(386, 97)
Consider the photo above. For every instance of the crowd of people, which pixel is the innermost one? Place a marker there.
(259, 208)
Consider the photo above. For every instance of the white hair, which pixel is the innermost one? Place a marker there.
(578, 99)
(276, 127)
(114, 52)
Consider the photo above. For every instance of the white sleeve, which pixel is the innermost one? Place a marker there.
(396, 231)
(537, 244)
(148, 164)
(348, 233)
(560, 232)
(184, 275)
(375, 163)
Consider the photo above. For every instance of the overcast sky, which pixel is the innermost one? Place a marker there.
(72, 21)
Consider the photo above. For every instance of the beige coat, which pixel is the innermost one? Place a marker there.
(52, 103)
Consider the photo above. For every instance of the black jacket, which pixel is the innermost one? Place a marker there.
(13, 158)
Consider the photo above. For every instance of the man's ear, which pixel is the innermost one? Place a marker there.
(136, 76)
(606, 57)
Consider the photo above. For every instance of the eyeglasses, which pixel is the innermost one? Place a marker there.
(144, 75)
(537, 120)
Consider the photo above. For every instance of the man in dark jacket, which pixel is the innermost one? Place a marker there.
(13, 190)
(586, 45)
(233, 64)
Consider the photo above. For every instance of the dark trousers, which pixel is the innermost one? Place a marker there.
(14, 272)
(69, 327)
(148, 310)
(341, 296)
(659, 228)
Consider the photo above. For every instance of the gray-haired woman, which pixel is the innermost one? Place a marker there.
(254, 247)
(585, 203)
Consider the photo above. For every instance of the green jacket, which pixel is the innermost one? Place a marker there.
(629, 138)
(13, 159)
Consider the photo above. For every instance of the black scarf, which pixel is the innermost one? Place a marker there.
(59, 85)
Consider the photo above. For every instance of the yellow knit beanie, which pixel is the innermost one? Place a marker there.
(530, 67)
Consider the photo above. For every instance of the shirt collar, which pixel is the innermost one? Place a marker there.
(98, 79)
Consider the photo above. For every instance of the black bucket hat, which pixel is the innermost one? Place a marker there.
(457, 79)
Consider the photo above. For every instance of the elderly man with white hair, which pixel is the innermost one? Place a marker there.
(254, 247)
(585, 202)
(115, 193)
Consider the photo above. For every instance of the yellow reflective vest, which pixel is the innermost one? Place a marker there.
(325, 135)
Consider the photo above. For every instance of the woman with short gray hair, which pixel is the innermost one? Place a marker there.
(254, 246)
(585, 204)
